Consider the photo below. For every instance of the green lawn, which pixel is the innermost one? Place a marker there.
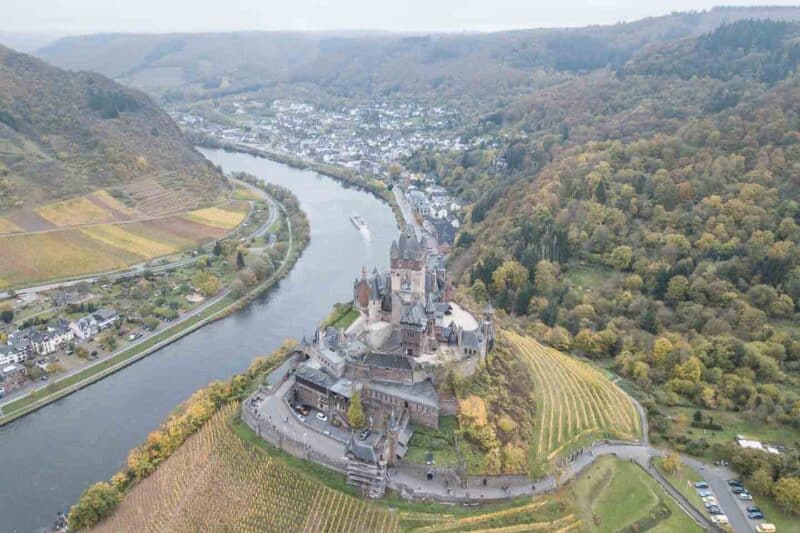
(733, 425)
(684, 481)
(442, 443)
(614, 494)
(341, 317)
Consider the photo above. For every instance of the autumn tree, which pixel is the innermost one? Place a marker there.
(97, 502)
(355, 411)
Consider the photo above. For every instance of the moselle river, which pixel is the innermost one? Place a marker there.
(49, 457)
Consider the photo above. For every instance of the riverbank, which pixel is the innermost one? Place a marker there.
(223, 305)
(344, 176)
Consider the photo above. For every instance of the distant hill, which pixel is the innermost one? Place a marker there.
(63, 134)
(189, 66)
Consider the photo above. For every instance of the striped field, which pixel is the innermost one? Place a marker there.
(215, 482)
(92, 247)
(95, 208)
(576, 404)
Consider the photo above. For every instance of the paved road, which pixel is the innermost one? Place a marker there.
(41, 385)
(274, 409)
(273, 214)
(405, 209)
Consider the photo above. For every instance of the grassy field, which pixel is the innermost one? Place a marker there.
(341, 317)
(95, 208)
(684, 480)
(244, 193)
(6, 226)
(119, 236)
(27, 258)
(613, 494)
(227, 218)
(733, 425)
(576, 403)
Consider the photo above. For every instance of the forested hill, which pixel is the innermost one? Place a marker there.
(649, 220)
(453, 66)
(63, 134)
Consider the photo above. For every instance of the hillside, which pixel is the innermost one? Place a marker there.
(648, 220)
(64, 134)
(188, 66)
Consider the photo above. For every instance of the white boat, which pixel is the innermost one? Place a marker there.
(359, 222)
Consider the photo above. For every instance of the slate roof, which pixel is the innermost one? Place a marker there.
(362, 451)
(408, 246)
(413, 314)
(388, 361)
(315, 376)
(423, 393)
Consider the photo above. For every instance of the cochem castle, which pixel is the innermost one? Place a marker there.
(408, 336)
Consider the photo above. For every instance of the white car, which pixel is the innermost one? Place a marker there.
(719, 519)
(322, 416)
(710, 500)
(744, 496)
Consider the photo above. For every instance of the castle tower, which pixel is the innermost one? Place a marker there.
(408, 258)
(487, 328)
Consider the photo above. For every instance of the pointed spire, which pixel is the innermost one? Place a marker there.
(364, 272)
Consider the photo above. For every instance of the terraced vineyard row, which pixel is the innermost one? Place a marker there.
(249, 490)
(539, 515)
(576, 403)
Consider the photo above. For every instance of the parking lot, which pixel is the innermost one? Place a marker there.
(733, 494)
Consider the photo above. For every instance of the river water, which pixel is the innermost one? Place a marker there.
(49, 457)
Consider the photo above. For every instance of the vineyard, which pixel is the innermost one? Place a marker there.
(96, 208)
(575, 403)
(215, 482)
(228, 217)
(67, 252)
(539, 515)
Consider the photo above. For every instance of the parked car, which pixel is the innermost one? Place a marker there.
(710, 500)
(301, 418)
(364, 434)
(322, 416)
(714, 510)
(701, 485)
(735, 483)
(744, 496)
(766, 527)
(753, 509)
(302, 409)
(705, 492)
(719, 519)
(738, 489)
(756, 516)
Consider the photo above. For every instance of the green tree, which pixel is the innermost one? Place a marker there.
(621, 257)
(545, 277)
(787, 494)
(510, 276)
(96, 503)
(217, 249)
(239, 260)
(6, 314)
(355, 411)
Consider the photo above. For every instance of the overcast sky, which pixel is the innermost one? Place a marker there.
(90, 16)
